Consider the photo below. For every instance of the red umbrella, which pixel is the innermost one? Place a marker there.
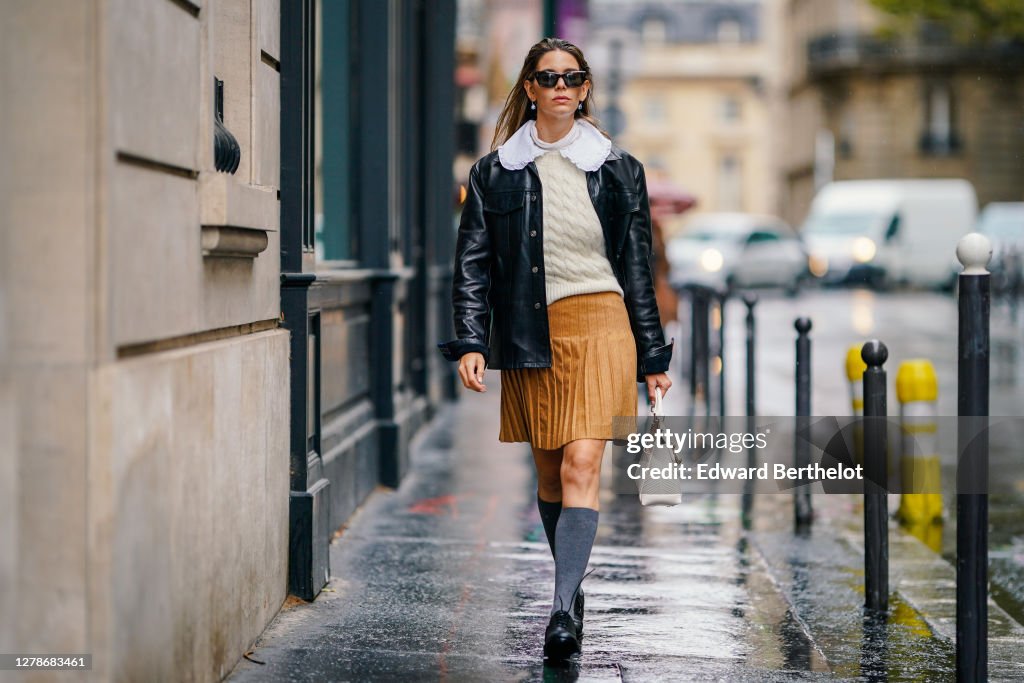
(667, 198)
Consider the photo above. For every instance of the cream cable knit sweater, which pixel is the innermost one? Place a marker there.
(574, 249)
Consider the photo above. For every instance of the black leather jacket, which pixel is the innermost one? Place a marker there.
(498, 293)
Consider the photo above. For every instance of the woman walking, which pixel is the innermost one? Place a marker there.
(553, 286)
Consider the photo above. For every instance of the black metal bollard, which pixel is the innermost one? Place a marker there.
(974, 251)
(700, 302)
(721, 296)
(876, 503)
(750, 300)
(802, 447)
(747, 502)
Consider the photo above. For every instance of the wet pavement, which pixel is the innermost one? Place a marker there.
(450, 576)
(912, 325)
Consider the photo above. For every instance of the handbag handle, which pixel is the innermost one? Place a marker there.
(656, 408)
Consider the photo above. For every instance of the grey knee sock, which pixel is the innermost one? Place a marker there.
(549, 513)
(574, 538)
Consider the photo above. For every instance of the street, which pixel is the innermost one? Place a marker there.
(247, 238)
(911, 324)
(449, 576)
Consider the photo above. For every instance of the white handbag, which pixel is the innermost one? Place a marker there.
(666, 492)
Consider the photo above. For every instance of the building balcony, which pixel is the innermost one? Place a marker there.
(835, 53)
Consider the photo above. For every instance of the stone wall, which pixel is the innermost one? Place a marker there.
(48, 282)
(144, 379)
(187, 507)
(159, 66)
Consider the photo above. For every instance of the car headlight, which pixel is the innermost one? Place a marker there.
(711, 260)
(863, 249)
(817, 264)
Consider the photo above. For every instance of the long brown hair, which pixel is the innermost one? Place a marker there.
(517, 111)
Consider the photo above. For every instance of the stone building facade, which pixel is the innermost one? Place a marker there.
(865, 104)
(202, 375)
(696, 83)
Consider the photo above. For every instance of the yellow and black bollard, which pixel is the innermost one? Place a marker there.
(917, 389)
(855, 367)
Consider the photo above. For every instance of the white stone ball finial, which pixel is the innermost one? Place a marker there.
(974, 251)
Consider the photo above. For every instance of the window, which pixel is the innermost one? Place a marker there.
(654, 109)
(762, 235)
(847, 131)
(730, 109)
(939, 112)
(730, 190)
(334, 227)
(939, 135)
(728, 31)
(824, 157)
(653, 30)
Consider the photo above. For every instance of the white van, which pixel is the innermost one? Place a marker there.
(889, 231)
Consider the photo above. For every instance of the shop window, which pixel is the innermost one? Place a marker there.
(334, 225)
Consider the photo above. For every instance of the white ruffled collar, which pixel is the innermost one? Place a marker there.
(588, 151)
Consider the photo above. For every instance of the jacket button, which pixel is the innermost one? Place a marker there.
(533, 233)
(534, 269)
(537, 305)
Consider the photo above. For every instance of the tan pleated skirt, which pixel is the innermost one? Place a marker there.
(590, 390)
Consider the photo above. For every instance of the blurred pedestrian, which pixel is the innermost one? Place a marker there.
(553, 286)
(668, 300)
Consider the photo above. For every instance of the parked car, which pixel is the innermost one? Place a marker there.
(1003, 224)
(729, 250)
(885, 232)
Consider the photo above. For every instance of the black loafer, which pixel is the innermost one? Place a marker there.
(560, 639)
(577, 614)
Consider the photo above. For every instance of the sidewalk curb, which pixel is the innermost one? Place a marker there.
(915, 574)
(920, 581)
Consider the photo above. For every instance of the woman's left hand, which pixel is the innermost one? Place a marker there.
(657, 380)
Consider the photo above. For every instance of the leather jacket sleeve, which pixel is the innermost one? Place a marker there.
(653, 354)
(471, 279)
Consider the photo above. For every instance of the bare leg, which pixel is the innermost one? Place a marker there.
(581, 473)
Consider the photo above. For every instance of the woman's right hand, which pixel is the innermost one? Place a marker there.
(471, 371)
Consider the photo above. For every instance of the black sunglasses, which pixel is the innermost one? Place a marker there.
(548, 79)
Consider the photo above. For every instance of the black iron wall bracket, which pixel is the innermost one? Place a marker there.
(226, 152)
(235, 217)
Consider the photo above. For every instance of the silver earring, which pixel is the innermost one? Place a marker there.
(580, 107)
(533, 105)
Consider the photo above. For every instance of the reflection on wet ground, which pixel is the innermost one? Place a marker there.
(822, 576)
(450, 577)
(913, 325)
